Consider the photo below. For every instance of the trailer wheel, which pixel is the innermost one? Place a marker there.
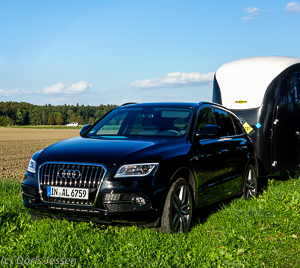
(250, 183)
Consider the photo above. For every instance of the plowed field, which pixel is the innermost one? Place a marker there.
(18, 144)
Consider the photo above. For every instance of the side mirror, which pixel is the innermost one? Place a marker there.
(84, 129)
(209, 132)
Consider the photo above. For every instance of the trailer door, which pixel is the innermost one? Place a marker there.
(286, 125)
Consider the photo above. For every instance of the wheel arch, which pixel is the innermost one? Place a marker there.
(188, 175)
(252, 161)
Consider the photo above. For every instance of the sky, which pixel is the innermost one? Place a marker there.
(111, 52)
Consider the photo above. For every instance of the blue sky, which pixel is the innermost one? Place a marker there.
(110, 52)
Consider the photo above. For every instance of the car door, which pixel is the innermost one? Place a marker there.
(208, 160)
(234, 147)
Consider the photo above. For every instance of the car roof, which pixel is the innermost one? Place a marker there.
(169, 104)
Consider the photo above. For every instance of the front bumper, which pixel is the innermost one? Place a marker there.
(115, 202)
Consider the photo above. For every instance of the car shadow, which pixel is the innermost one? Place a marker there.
(202, 214)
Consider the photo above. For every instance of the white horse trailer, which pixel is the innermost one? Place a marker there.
(264, 92)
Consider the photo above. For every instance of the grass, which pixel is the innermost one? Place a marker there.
(262, 232)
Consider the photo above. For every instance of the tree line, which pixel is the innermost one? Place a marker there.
(23, 113)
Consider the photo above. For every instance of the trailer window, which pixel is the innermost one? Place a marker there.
(290, 89)
(224, 121)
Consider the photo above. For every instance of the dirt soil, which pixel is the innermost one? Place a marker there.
(18, 144)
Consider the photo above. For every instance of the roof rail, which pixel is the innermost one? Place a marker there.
(128, 103)
(210, 102)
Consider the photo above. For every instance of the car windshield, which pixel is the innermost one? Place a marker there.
(146, 121)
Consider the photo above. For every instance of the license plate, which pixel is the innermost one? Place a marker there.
(68, 192)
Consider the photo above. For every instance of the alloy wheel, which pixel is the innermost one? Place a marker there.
(181, 209)
(250, 184)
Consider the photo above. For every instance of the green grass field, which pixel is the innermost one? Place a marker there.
(263, 232)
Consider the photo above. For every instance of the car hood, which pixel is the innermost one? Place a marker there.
(108, 151)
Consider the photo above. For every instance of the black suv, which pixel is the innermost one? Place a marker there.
(150, 163)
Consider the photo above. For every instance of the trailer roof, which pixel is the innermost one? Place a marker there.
(243, 82)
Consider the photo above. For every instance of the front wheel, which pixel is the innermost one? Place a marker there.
(250, 183)
(177, 213)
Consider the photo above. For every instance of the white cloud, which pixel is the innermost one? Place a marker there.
(292, 7)
(252, 11)
(14, 92)
(64, 89)
(175, 79)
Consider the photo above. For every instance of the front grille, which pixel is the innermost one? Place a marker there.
(71, 175)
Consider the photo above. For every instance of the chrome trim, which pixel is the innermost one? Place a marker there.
(100, 182)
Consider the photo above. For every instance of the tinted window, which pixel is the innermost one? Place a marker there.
(148, 121)
(238, 126)
(224, 121)
(205, 117)
(290, 89)
(113, 125)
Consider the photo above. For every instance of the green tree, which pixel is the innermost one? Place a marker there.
(59, 119)
(79, 119)
(19, 117)
(71, 116)
(55, 114)
(10, 122)
(91, 120)
(3, 121)
(43, 115)
(51, 119)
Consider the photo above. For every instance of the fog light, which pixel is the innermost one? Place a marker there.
(139, 201)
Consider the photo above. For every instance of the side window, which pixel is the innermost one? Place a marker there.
(205, 117)
(112, 127)
(290, 89)
(238, 126)
(224, 121)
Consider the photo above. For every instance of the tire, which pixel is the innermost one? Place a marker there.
(177, 213)
(250, 183)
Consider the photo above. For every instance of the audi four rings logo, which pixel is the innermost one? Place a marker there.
(69, 174)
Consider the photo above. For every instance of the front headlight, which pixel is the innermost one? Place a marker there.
(137, 170)
(32, 163)
(31, 166)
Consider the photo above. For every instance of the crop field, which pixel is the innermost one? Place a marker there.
(18, 144)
